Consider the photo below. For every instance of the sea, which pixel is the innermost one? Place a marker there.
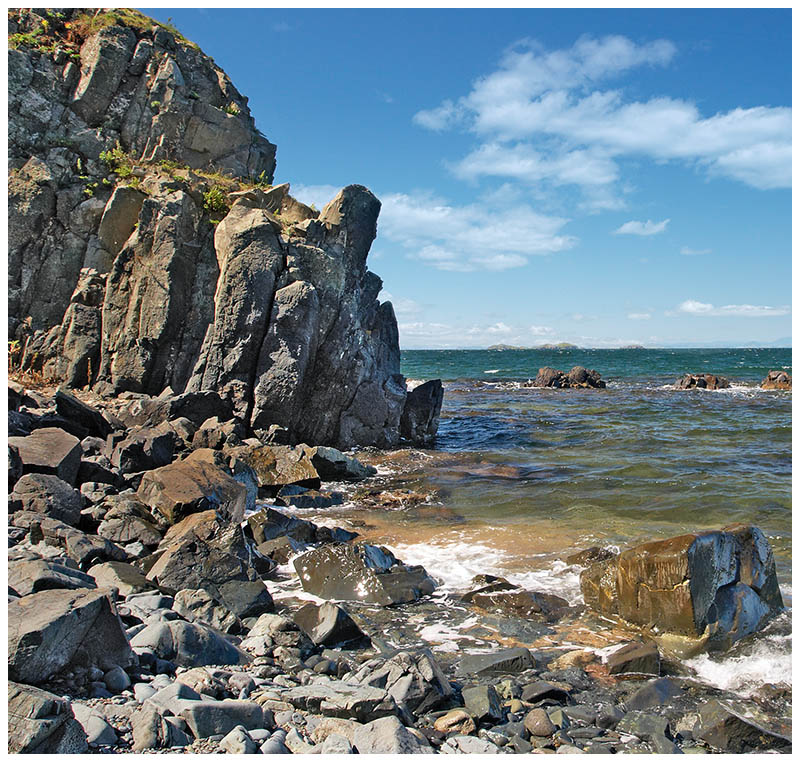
(522, 477)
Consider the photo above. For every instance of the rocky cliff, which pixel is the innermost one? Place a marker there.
(149, 249)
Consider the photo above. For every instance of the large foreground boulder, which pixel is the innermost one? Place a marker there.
(361, 572)
(49, 451)
(188, 644)
(51, 630)
(42, 723)
(48, 495)
(700, 590)
(420, 419)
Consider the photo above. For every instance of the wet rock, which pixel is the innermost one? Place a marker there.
(655, 693)
(32, 575)
(327, 624)
(419, 421)
(727, 730)
(387, 735)
(577, 378)
(188, 644)
(50, 629)
(702, 381)
(49, 451)
(707, 589)
(651, 728)
(43, 723)
(361, 572)
(49, 495)
(635, 657)
(192, 486)
(777, 379)
(300, 497)
(589, 556)
(510, 661)
(500, 596)
(333, 465)
(276, 466)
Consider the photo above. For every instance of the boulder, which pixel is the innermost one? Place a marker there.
(482, 703)
(238, 741)
(702, 381)
(125, 578)
(538, 723)
(192, 486)
(276, 466)
(49, 630)
(339, 699)
(14, 466)
(48, 495)
(200, 607)
(333, 465)
(499, 596)
(49, 451)
(300, 497)
(42, 723)
(145, 448)
(635, 657)
(98, 731)
(387, 735)
(777, 379)
(197, 407)
(204, 552)
(361, 572)
(127, 519)
(419, 421)
(152, 730)
(508, 661)
(188, 644)
(456, 721)
(327, 624)
(93, 421)
(214, 434)
(33, 575)
(735, 730)
(701, 590)
(577, 378)
(211, 718)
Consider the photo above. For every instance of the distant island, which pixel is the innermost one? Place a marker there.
(503, 347)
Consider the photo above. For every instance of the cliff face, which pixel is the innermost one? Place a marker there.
(148, 248)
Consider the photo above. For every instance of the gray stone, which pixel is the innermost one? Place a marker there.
(327, 624)
(730, 730)
(36, 574)
(339, 699)
(47, 630)
(188, 644)
(127, 579)
(98, 731)
(655, 693)
(635, 657)
(538, 723)
(120, 217)
(208, 718)
(469, 745)
(42, 723)
(482, 702)
(238, 741)
(505, 661)
(387, 735)
(49, 451)
(117, 680)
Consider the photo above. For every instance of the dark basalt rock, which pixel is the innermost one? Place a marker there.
(497, 595)
(49, 451)
(635, 657)
(702, 381)
(577, 378)
(729, 730)
(420, 419)
(327, 624)
(48, 495)
(361, 572)
(507, 661)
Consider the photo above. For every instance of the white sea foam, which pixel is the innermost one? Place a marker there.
(496, 370)
(767, 659)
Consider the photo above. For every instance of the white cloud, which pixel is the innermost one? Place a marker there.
(548, 103)
(319, 195)
(499, 328)
(634, 227)
(692, 307)
(686, 251)
(541, 330)
(403, 308)
(477, 236)
(639, 316)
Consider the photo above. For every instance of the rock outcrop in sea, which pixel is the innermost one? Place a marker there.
(148, 249)
(702, 381)
(777, 379)
(577, 378)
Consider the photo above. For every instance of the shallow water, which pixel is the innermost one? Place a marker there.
(520, 477)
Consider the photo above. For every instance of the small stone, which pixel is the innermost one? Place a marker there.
(238, 741)
(117, 680)
(455, 721)
(538, 723)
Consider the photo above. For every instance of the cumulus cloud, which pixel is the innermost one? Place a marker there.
(541, 330)
(403, 308)
(686, 251)
(319, 195)
(550, 103)
(634, 227)
(692, 307)
(639, 316)
(472, 237)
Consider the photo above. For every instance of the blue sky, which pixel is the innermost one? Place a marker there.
(594, 176)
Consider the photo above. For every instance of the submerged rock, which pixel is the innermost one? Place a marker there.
(777, 379)
(702, 590)
(361, 572)
(577, 378)
(702, 381)
(498, 595)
